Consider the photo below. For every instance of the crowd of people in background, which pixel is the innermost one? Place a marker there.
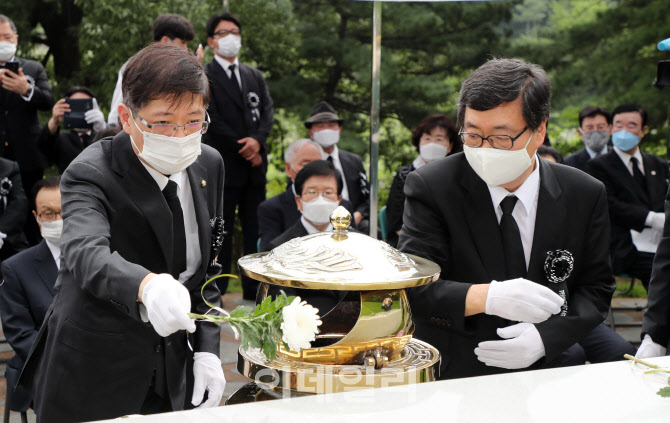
(320, 176)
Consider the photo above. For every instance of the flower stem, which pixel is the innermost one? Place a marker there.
(644, 363)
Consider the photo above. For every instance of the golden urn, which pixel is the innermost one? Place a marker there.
(365, 339)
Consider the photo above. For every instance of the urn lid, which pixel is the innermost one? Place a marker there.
(339, 260)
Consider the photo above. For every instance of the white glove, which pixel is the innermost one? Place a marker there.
(522, 301)
(207, 374)
(2, 239)
(649, 349)
(95, 117)
(657, 220)
(168, 304)
(521, 347)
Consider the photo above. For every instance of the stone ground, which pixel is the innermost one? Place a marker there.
(229, 345)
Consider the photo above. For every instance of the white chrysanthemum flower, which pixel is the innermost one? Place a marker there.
(300, 324)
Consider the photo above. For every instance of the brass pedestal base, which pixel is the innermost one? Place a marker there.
(418, 363)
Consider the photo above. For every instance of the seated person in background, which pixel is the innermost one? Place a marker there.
(28, 288)
(550, 153)
(13, 210)
(434, 137)
(602, 344)
(277, 214)
(595, 126)
(636, 185)
(320, 191)
(61, 147)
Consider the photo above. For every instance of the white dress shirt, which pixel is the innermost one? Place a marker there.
(626, 159)
(311, 229)
(592, 154)
(55, 252)
(226, 67)
(525, 209)
(338, 165)
(193, 254)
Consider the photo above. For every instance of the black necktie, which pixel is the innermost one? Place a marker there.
(233, 78)
(637, 175)
(178, 231)
(515, 260)
(339, 175)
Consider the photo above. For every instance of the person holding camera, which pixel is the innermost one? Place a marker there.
(61, 147)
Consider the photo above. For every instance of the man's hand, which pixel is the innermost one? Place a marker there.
(207, 375)
(15, 83)
(522, 300)
(358, 216)
(168, 304)
(57, 114)
(200, 53)
(521, 347)
(256, 160)
(250, 147)
(95, 117)
(649, 348)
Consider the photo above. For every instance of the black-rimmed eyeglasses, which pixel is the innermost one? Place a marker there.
(501, 142)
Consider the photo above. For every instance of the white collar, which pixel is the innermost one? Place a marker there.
(162, 180)
(527, 193)
(335, 153)
(55, 252)
(311, 229)
(625, 157)
(593, 153)
(226, 64)
(418, 162)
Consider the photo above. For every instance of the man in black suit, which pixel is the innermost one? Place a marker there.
(61, 147)
(494, 218)
(28, 287)
(636, 185)
(595, 127)
(138, 217)
(22, 94)
(324, 127)
(13, 208)
(277, 214)
(242, 116)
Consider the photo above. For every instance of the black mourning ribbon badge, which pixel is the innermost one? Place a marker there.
(557, 267)
(214, 268)
(5, 186)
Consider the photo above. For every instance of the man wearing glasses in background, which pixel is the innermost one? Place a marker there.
(522, 243)
(136, 243)
(242, 116)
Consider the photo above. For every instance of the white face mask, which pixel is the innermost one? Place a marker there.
(7, 51)
(229, 45)
(327, 137)
(432, 151)
(498, 167)
(51, 230)
(169, 155)
(318, 210)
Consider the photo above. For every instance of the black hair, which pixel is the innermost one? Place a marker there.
(213, 22)
(631, 107)
(431, 122)
(161, 69)
(546, 150)
(46, 183)
(317, 168)
(79, 89)
(501, 81)
(592, 111)
(174, 26)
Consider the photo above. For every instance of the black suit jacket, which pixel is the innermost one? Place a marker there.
(25, 296)
(19, 125)
(357, 182)
(63, 146)
(656, 321)
(277, 214)
(116, 230)
(454, 224)
(13, 216)
(234, 117)
(580, 158)
(628, 203)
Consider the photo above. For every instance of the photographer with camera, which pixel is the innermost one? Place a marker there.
(79, 112)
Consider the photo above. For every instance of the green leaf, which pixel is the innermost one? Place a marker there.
(664, 392)
(241, 312)
(269, 348)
